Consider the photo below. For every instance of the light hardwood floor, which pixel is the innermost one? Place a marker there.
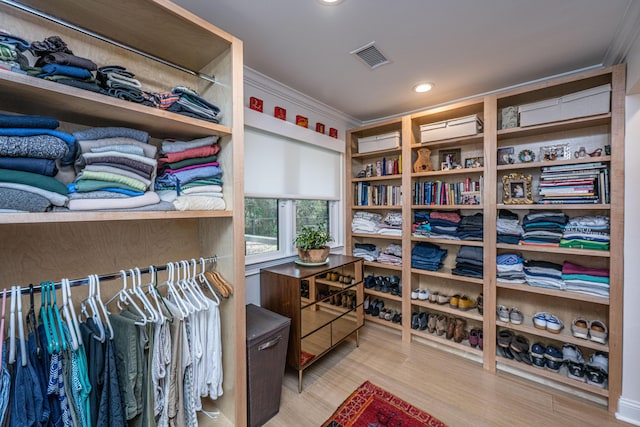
(455, 390)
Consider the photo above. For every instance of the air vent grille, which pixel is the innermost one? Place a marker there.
(371, 55)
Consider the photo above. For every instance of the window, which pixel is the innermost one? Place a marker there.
(269, 225)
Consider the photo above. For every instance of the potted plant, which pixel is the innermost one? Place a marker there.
(312, 244)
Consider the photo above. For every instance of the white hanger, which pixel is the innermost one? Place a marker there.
(95, 313)
(67, 317)
(203, 279)
(173, 293)
(137, 291)
(188, 288)
(187, 303)
(23, 344)
(196, 286)
(125, 298)
(4, 303)
(12, 327)
(103, 308)
(67, 283)
(151, 289)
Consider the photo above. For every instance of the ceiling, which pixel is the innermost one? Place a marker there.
(465, 47)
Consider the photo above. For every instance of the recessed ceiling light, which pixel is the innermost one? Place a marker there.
(330, 2)
(423, 87)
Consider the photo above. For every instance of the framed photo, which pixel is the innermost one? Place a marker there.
(474, 162)
(444, 166)
(506, 156)
(526, 156)
(451, 157)
(550, 153)
(517, 189)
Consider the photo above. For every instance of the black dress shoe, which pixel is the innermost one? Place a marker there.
(423, 319)
(414, 321)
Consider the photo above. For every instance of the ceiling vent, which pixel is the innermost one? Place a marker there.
(370, 55)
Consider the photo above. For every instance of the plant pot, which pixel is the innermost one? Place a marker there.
(313, 256)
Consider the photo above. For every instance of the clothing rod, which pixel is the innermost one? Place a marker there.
(106, 277)
(41, 14)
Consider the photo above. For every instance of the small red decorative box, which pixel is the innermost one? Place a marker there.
(320, 128)
(333, 132)
(255, 104)
(280, 113)
(302, 121)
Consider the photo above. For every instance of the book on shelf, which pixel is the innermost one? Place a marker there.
(578, 183)
(366, 194)
(467, 192)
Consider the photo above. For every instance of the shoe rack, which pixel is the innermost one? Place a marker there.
(529, 300)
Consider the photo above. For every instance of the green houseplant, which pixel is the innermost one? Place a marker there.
(312, 244)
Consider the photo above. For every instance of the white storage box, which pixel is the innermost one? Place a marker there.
(588, 102)
(454, 128)
(385, 141)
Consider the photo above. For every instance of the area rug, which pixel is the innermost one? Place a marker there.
(305, 357)
(371, 406)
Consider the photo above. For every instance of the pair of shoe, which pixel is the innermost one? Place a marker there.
(549, 357)
(476, 337)
(481, 303)
(388, 314)
(463, 302)
(515, 347)
(420, 320)
(594, 330)
(438, 298)
(374, 307)
(451, 328)
(513, 315)
(544, 320)
(597, 369)
(420, 294)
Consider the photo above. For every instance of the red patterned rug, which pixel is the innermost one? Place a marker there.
(371, 406)
(305, 357)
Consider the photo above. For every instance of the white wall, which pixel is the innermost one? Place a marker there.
(629, 404)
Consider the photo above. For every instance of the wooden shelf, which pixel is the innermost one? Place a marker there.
(564, 336)
(465, 140)
(463, 171)
(444, 275)
(381, 265)
(389, 207)
(55, 217)
(448, 207)
(553, 250)
(534, 165)
(384, 295)
(464, 345)
(576, 207)
(335, 284)
(383, 322)
(445, 308)
(378, 178)
(448, 241)
(376, 236)
(560, 377)
(66, 103)
(583, 122)
(553, 292)
(380, 153)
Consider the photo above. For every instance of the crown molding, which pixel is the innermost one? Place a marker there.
(273, 87)
(626, 35)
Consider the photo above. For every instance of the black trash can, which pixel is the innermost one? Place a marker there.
(267, 341)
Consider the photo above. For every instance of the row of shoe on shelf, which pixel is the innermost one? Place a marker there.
(516, 347)
(338, 298)
(448, 326)
(385, 284)
(463, 302)
(376, 308)
(594, 330)
(344, 279)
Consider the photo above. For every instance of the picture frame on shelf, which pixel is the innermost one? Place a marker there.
(550, 153)
(452, 157)
(474, 162)
(517, 189)
(506, 156)
(526, 156)
(444, 166)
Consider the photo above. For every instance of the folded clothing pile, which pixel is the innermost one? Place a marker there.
(115, 170)
(510, 268)
(543, 228)
(366, 222)
(189, 174)
(421, 226)
(444, 225)
(508, 227)
(469, 262)
(367, 251)
(471, 227)
(11, 56)
(544, 274)
(427, 256)
(189, 103)
(391, 225)
(586, 280)
(587, 232)
(29, 149)
(118, 82)
(392, 254)
(58, 63)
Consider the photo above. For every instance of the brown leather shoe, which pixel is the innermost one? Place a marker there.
(450, 328)
(460, 333)
(442, 322)
(465, 303)
(431, 324)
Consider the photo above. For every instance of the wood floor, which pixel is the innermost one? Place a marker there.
(455, 390)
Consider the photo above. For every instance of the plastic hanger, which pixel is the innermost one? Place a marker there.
(203, 279)
(98, 298)
(155, 292)
(58, 318)
(154, 296)
(44, 318)
(136, 290)
(12, 327)
(95, 314)
(124, 297)
(73, 339)
(23, 343)
(76, 324)
(189, 288)
(194, 284)
(4, 303)
(32, 323)
(192, 305)
(173, 292)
